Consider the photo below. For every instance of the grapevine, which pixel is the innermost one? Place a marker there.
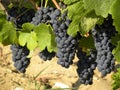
(62, 29)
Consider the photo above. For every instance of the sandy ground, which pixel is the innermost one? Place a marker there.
(41, 74)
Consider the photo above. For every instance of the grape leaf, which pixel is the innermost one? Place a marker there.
(83, 20)
(76, 10)
(44, 36)
(2, 18)
(7, 33)
(27, 27)
(69, 1)
(29, 39)
(116, 80)
(73, 28)
(101, 7)
(116, 15)
(88, 22)
(53, 46)
(116, 52)
(23, 37)
(83, 24)
(32, 41)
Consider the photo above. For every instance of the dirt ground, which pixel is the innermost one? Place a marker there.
(44, 74)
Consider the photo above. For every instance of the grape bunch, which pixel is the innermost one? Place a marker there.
(19, 53)
(66, 44)
(19, 57)
(46, 55)
(102, 38)
(86, 66)
(20, 15)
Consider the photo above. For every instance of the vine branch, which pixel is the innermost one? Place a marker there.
(56, 4)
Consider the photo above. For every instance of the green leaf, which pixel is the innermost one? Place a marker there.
(2, 18)
(116, 15)
(44, 35)
(53, 46)
(82, 20)
(73, 28)
(88, 22)
(28, 39)
(69, 1)
(23, 38)
(27, 27)
(76, 10)
(101, 7)
(32, 41)
(116, 52)
(116, 80)
(7, 33)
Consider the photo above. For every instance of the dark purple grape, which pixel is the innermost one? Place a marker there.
(85, 66)
(20, 59)
(102, 37)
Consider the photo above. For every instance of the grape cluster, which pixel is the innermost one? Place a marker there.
(86, 66)
(44, 15)
(20, 15)
(19, 53)
(102, 38)
(66, 44)
(19, 57)
(46, 55)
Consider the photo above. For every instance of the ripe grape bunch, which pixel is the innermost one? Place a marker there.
(19, 16)
(102, 37)
(19, 56)
(60, 22)
(86, 66)
(46, 55)
(66, 44)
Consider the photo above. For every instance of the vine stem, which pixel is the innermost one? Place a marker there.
(46, 3)
(86, 35)
(22, 14)
(56, 4)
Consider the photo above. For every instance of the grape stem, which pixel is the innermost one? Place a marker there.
(86, 35)
(46, 3)
(21, 14)
(56, 4)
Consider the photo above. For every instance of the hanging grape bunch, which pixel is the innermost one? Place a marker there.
(102, 36)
